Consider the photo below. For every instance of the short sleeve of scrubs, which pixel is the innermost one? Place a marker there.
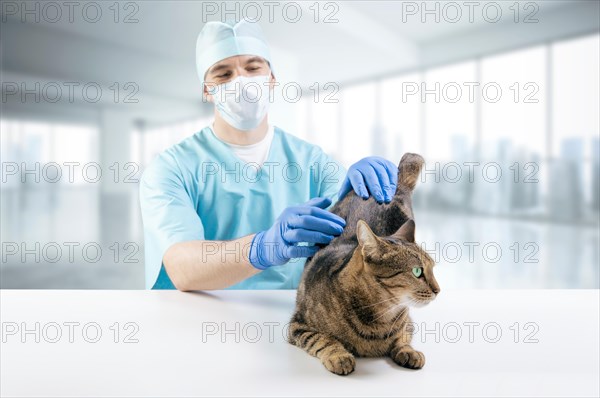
(168, 213)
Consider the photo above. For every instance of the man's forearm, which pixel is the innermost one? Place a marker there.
(209, 265)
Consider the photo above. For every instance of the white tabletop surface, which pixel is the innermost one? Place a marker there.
(183, 348)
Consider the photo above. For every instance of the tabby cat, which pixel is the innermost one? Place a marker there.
(353, 297)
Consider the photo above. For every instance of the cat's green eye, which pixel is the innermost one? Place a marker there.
(417, 271)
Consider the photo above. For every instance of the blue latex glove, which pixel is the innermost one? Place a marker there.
(374, 175)
(308, 222)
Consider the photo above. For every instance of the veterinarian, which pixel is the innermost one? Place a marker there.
(241, 203)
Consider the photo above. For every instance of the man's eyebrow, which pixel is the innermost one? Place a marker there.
(219, 67)
(255, 59)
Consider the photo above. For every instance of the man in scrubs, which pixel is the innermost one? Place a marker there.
(241, 204)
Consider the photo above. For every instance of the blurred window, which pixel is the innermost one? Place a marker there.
(401, 115)
(358, 135)
(449, 100)
(42, 150)
(146, 143)
(517, 113)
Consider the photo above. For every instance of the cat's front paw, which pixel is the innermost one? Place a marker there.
(340, 364)
(408, 357)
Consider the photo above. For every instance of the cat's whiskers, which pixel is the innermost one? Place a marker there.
(396, 320)
(401, 303)
(385, 312)
(417, 303)
(377, 303)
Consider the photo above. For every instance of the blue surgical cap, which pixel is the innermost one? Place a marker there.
(220, 40)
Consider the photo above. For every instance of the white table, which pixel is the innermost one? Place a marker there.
(183, 349)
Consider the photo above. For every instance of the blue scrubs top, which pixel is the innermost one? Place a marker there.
(199, 189)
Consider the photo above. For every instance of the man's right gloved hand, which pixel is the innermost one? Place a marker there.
(308, 222)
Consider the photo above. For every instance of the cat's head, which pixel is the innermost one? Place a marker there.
(400, 267)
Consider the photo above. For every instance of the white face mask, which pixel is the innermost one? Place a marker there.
(244, 101)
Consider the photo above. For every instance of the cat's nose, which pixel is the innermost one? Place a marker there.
(435, 289)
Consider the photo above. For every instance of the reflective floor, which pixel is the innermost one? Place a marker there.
(77, 239)
(484, 252)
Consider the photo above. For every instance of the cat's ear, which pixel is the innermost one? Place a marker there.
(366, 238)
(409, 170)
(406, 232)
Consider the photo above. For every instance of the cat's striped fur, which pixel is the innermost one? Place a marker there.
(352, 300)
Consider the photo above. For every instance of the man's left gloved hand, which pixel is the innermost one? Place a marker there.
(371, 175)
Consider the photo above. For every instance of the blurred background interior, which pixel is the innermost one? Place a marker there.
(535, 226)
